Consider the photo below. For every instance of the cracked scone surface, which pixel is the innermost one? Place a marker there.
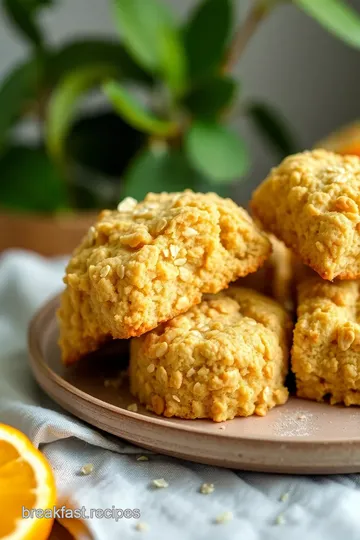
(326, 346)
(225, 357)
(147, 262)
(311, 202)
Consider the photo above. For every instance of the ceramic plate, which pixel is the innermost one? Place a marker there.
(300, 437)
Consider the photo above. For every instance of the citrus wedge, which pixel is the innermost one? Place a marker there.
(26, 482)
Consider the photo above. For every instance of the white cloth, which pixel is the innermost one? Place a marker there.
(316, 507)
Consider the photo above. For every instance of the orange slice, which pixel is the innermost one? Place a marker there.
(353, 149)
(345, 140)
(26, 483)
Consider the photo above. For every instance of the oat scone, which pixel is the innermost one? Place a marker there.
(147, 262)
(275, 277)
(225, 357)
(311, 202)
(326, 347)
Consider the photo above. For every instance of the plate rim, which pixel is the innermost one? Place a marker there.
(38, 362)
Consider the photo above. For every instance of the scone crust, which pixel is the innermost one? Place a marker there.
(311, 202)
(150, 261)
(225, 357)
(326, 346)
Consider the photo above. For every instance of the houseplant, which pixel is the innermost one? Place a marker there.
(168, 96)
(39, 207)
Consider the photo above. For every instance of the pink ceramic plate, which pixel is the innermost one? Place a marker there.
(299, 437)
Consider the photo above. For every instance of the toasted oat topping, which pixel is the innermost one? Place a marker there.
(190, 231)
(127, 205)
(87, 469)
(280, 520)
(224, 517)
(180, 262)
(182, 303)
(121, 271)
(190, 373)
(174, 250)
(206, 489)
(161, 349)
(105, 270)
(142, 527)
(160, 225)
(132, 407)
(160, 483)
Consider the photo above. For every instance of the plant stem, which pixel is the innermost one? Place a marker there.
(244, 33)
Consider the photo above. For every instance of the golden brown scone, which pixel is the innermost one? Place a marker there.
(275, 278)
(150, 261)
(225, 357)
(326, 347)
(310, 201)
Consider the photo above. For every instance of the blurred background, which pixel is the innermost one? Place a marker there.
(72, 139)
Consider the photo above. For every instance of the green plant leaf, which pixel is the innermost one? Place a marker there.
(17, 93)
(30, 181)
(86, 52)
(152, 38)
(62, 106)
(272, 127)
(23, 17)
(212, 96)
(157, 171)
(215, 151)
(206, 36)
(172, 60)
(134, 113)
(140, 24)
(335, 16)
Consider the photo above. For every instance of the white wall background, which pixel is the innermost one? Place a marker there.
(291, 63)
